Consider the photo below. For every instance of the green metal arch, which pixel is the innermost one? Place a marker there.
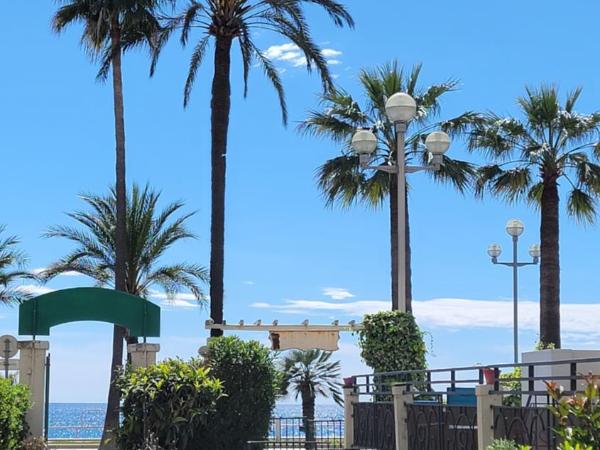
(139, 316)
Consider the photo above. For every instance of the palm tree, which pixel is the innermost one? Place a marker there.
(309, 374)
(340, 178)
(528, 158)
(223, 22)
(150, 234)
(111, 27)
(11, 269)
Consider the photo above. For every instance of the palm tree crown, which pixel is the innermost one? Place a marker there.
(342, 181)
(313, 373)
(227, 20)
(11, 269)
(150, 234)
(528, 158)
(137, 20)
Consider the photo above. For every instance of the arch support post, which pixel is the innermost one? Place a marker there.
(143, 355)
(32, 373)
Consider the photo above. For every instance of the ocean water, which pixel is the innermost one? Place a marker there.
(84, 420)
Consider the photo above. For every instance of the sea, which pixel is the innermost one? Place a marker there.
(84, 420)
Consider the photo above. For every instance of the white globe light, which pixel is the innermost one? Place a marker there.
(515, 227)
(535, 251)
(364, 142)
(400, 107)
(494, 250)
(437, 142)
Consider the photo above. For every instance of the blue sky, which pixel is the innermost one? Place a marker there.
(287, 256)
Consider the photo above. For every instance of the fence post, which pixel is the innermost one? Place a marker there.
(401, 399)
(143, 355)
(350, 398)
(485, 414)
(32, 373)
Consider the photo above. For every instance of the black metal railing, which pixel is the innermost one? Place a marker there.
(443, 414)
(301, 433)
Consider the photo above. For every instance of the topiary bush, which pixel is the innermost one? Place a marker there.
(392, 341)
(14, 403)
(166, 404)
(250, 382)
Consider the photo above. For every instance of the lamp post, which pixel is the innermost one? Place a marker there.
(515, 228)
(400, 109)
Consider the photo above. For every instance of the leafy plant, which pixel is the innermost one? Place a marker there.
(505, 444)
(164, 405)
(514, 387)
(14, 403)
(392, 341)
(578, 415)
(545, 346)
(34, 443)
(251, 384)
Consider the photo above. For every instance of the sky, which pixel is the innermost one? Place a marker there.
(288, 257)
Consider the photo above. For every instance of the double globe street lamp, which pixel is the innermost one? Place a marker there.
(400, 108)
(515, 228)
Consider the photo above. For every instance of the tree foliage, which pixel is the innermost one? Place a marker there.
(241, 19)
(250, 383)
(12, 262)
(168, 402)
(14, 403)
(151, 232)
(392, 341)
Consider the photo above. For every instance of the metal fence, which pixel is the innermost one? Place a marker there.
(443, 415)
(291, 433)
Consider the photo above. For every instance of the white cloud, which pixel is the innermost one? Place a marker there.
(580, 322)
(249, 283)
(337, 293)
(292, 54)
(34, 289)
(180, 300)
(330, 53)
(70, 273)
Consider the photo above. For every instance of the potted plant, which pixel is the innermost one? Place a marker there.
(489, 375)
(349, 382)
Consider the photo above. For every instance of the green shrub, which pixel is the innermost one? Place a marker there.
(514, 387)
(250, 382)
(14, 403)
(392, 341)
(578, 415)
(504, 444)
(166, 403)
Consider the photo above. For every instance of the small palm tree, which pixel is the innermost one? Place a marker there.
(343, 182)
(11, 269)
(151, 232)
(528, 159)
(223, 22)
(310, 374)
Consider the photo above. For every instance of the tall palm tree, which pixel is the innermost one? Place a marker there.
(528, 159)
(342, 181)
(111, 27)
(150, 233)
(223, 22)
(309, 374)
(11, 269)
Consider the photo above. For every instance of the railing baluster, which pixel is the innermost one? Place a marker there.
(574, 376)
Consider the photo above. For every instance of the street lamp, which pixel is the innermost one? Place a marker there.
(515, 228)
(400, 108)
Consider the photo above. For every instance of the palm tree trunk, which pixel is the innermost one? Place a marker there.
(395, 239)
(220, 108)
(308, 412)
(111, 422)
(550, 264)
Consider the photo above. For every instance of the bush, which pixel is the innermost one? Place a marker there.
(514, 387)
(166, 403)
(578, 415)
(250, 382)
(14, 403)
(34, 443)
(392, 341)
(504, 444)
